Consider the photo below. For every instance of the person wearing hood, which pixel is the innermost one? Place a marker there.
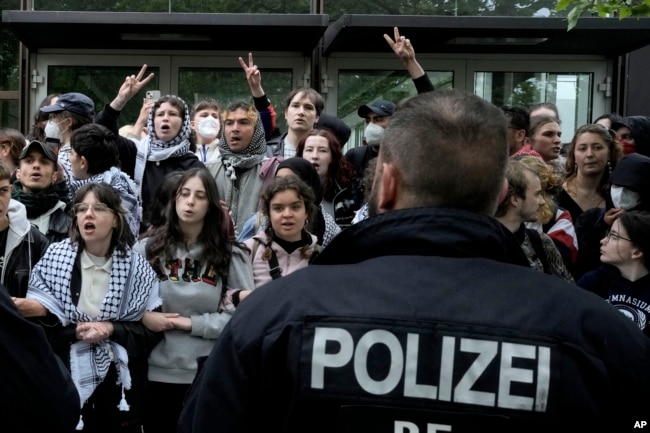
(640, 134)
(237, 170)
(206, 125)
(21, 243)
(165, 149)
(623, 279)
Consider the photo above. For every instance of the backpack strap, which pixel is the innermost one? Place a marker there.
(274, 265)
(267, 174)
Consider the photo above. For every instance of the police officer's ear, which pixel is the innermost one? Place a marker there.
(390, 196)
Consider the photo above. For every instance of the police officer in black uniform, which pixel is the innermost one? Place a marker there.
(425, 317)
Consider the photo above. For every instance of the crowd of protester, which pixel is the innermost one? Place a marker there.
(132, 250)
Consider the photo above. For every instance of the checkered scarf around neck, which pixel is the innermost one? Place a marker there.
(132, 290)
(151, 148)
(247, 158)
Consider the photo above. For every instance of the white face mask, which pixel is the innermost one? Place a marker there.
(52, 130)
(373, 134)
(624, 198)
(208, 127)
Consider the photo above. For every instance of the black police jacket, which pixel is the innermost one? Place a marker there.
(422, 320)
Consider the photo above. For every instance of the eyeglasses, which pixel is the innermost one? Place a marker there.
(616, 236)
(82, 208)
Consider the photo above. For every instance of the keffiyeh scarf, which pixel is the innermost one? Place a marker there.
(132, 290)
(249, 157)
(153, 149)
(125, 186)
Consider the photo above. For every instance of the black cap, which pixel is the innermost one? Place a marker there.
(45, 149)
(74, 102)
(336, 125)
(380, 108)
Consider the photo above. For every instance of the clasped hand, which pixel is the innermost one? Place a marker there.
(158, 322)
(94, 332)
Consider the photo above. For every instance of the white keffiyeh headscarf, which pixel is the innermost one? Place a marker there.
(132, 290)
(124, 185)
(153, 149)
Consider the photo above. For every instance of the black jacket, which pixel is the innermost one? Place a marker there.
(22, 259)
(36, 391)
(421, 316)
(59, 227)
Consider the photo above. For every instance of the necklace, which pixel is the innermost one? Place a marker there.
(583, 197)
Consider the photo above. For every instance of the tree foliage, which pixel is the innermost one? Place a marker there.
(604, 8)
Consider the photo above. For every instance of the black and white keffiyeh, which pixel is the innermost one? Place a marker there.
(132, 290)
(153, 149)
(247, 158)
(124, 185)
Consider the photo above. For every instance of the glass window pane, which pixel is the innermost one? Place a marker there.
(9, 71)
(9, 114)
(362, 87)
(100, 84)
(229, 85)
(569, 91)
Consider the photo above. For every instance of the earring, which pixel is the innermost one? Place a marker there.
(609, 168)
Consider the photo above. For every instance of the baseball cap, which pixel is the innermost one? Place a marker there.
(46, 149)
(74, 102)
(380, 108)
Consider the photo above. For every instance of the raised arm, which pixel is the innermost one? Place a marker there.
(262, 103)
(403, 48)
(131, 86)
(253, 76)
